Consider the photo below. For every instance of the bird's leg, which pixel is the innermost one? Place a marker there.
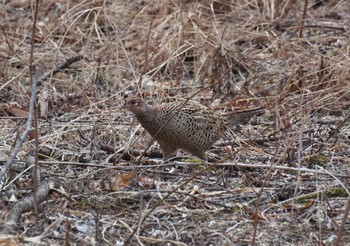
(168, 151)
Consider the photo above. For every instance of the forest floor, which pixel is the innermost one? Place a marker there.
(281, 178)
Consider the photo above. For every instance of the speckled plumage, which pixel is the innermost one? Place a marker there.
(190, 127)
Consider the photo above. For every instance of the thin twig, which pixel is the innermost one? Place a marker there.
(342, 225)
(36, 79)
(303, 19)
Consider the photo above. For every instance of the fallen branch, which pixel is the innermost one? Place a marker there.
(25, 134)
(60, 68)
(28, 203)
(177, 163)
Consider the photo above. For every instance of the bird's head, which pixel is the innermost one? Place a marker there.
(136, 105)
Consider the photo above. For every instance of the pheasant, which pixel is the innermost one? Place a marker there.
(188, 126)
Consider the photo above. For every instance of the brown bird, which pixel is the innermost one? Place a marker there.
(188, 126)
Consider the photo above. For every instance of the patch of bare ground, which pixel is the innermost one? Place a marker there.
(78, 169)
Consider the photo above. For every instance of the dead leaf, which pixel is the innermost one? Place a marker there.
(14, 109)
(121, 181)
(43, 102)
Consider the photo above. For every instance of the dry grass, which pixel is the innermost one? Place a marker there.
(213, 51)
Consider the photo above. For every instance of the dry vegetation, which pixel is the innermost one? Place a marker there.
(280, 179)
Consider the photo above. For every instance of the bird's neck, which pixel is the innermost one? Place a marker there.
(147, 115)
